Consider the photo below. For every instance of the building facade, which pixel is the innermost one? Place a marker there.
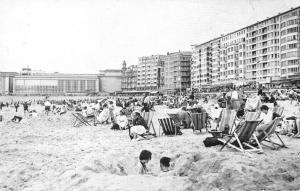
(6, 82)
(110, 80)
(55, 84)
(176, 71)
(149, 72)
(129, 77)
(266, 51)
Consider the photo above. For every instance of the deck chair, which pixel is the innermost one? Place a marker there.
(297, 135)
(226, 124)
(252, 116)
(80, 120)
(240, 137)
(168, 127)
(265, 136)
(199, 121)
(148, 117)
(278, 110)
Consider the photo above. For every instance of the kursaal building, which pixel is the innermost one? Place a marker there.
(30, 82)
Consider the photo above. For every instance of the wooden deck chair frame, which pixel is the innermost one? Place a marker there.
(168, 126)
(268, 132)
(242, 135)
(79, 120)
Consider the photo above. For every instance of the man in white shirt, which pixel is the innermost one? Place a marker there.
(265, 117)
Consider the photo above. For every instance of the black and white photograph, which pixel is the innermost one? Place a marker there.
(149, 95)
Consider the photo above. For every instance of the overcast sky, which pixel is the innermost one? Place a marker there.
(84, 36)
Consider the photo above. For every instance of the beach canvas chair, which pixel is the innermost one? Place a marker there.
(297, 135)
(228, 117)
(199, 121)
(240, 137)
(265, 135)
(252, 116)
(148, 117)
(168, 127)
(278, 110)
(80, 120)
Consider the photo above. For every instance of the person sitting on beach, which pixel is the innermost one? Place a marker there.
(104, 116)
(145, 157)
(184, 117)
(139, 129)
(165, 164)
(47, 105)
(265, 118)
(122, 120)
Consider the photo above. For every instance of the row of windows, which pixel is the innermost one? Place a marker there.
(290, 63)
(291, 14)
(290, 70)
(290, 54)
(290, 22)
(290, 46)
(290, 30)
(290, 38)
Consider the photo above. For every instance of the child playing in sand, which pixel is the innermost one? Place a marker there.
(145, 157)
(165, 164)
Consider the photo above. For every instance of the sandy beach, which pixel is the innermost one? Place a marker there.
(47, 153)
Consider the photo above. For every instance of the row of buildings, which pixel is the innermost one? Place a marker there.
(264, 52)
(167, 73)
(29, 82)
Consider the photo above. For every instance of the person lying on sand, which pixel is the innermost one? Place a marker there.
(145, 157)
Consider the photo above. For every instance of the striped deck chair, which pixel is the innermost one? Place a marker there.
(169, 127)
(297, 135)
(199, 121)
(240, 137)
(265, 135)
(252, 116)
(278, 110)
(80, 120)
(227, 120)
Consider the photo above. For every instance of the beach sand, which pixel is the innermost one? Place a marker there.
(48, 153)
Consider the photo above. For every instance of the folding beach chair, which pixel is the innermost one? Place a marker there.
(240, 137)
(226, 124)
(149, 120)
(278, 110)
(199, 121)
(169, 127)
(80, 120)
(297, 135)
(252, 116)
(266, 134)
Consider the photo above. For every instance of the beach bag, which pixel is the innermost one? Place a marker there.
(115, 126)
(211, 141)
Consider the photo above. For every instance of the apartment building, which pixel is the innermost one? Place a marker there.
(129, 77)
(263, 52)
(232, 53)
(176, 71)
(149, 72)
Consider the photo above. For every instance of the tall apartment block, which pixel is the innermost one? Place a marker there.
(176, 71)
(263, 52)
(149, 72)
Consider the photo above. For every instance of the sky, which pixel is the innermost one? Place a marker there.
(85, 36)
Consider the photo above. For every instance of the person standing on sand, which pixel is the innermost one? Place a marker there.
(16, 106)
(25, 107)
